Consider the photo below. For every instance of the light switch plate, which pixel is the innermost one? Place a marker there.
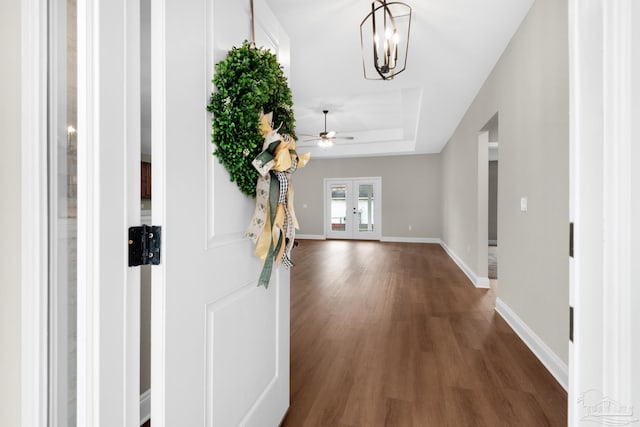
(523, 204)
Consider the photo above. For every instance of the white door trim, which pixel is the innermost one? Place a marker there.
(108, 140)
(604, 63)
(34, 206)
(158, 184)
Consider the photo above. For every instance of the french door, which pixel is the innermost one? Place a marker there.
(352, 208)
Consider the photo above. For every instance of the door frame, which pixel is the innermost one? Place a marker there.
(95, 387)
(377, 234)
(35, 216)
(108, 290)
(34, 229)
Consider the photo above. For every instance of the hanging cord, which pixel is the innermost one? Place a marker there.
(253, 26)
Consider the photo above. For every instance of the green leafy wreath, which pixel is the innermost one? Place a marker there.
(248, 81)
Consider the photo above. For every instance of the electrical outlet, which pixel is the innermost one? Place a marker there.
(410, 228)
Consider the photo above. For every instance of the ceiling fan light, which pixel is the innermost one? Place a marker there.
(386, 61)
(325, 143)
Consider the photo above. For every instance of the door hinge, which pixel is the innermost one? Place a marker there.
(144, 245)
(570, 323)
(571, 239)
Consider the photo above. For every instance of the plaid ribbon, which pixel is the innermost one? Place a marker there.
(284, 186)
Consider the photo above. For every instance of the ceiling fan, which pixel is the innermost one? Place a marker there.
(325, 139)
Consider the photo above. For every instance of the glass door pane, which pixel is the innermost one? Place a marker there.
(338, 208)
(365, 201)
(63, 212)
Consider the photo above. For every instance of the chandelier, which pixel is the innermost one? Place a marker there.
(387, 26)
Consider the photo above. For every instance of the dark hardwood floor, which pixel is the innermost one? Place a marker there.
(395, 334)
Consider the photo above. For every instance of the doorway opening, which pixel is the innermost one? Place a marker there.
(493, 146)
(487, 256)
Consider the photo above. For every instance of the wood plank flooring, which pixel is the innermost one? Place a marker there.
(392, 334)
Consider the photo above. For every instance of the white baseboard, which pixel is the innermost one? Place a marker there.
(549, 359)
(482, 282)
(145, 406)
(478, 282)
(410, 239)
(310, 237)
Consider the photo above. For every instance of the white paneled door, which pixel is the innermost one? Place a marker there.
(352, 208)
(220, 344)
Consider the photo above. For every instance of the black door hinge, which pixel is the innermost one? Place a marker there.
(571, 239)
(570, 323)
(144, 245)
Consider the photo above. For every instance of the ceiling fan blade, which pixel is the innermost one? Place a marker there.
(314, 140)
(345, 137)
(310, 135)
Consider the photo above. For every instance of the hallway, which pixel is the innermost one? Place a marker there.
(395, 334)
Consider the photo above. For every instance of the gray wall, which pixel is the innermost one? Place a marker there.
(411, 192)
(529, 89)
(493, 200)
(10, 223)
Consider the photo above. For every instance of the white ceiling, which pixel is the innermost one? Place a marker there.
(454, 45)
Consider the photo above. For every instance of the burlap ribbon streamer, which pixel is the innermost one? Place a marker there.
(272, 228)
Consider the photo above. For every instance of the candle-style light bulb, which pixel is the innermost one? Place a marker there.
(394, 56)
(388, 33)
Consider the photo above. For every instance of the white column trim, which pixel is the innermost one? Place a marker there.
(34, 270)
(604, 64)
(616, 198)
